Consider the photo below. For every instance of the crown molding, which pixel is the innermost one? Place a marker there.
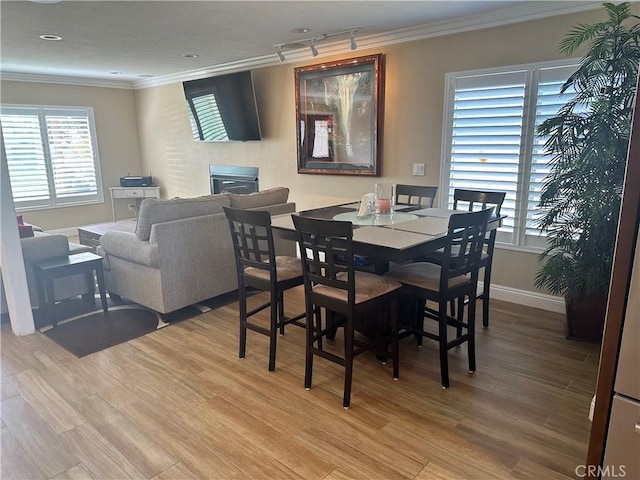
(526, 11)
(65, 80)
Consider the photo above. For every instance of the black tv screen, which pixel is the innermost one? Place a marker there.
(223, 108)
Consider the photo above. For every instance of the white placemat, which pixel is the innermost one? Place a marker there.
(426, 225)
(388, 237)
(435, 212)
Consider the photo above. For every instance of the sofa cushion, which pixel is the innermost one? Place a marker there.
(157, 211)
(272, 196)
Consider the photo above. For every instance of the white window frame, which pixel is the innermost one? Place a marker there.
(53, 201)
(518, 240)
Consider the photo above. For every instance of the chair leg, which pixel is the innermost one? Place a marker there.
(442, 340)
(273, 330)
(471, 331)
(394, 340)
(348, 356)
(281, 312)
(242, 300)
(485, 295)
(460, 316)
(308, 369)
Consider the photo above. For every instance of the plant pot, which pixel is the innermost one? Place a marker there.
(585, 318)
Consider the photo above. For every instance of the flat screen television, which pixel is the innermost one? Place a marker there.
(223, 108)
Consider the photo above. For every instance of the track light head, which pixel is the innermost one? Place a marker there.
(314, 50)
(281, 56)
(352, 41)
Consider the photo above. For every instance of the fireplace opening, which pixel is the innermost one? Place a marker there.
(234, 179)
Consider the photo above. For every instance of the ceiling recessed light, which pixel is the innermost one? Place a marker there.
(190, 55)
(115, 73)
(51, 38)
(301, 30)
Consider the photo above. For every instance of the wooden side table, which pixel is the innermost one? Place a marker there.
(48, 270)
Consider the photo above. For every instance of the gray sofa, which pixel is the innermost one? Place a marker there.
(181, 251)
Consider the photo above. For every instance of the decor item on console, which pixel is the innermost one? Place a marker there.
(181, 251)
(338, 116)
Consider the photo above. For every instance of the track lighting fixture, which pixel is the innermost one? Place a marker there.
(313, 41)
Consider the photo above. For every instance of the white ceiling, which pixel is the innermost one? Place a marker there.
(150, 37)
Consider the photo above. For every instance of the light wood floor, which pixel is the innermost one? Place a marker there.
(179, 403)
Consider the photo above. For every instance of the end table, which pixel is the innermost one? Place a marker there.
(48, 270)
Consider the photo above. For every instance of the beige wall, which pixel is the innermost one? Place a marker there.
(412, 126)
(114, 110)
(414, 96)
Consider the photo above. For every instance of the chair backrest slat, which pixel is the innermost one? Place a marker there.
(326, 247)
(252, 238)
(465, 240)
(419, 195)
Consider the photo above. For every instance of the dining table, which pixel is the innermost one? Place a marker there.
(405, 234)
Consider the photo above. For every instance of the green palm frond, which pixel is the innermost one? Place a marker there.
(588, 151)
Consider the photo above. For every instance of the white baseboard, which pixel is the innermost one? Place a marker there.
(528, 298)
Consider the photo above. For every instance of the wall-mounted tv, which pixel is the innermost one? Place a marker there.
(223, 108)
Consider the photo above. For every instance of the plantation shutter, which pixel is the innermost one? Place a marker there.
(51, 155)
(490, 140)
(208, 118)
(25, 155)
(548, 102)
(486, 137)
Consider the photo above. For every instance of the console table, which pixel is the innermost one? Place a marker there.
(138, 193)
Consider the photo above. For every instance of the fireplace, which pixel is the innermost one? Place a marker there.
(234, 179)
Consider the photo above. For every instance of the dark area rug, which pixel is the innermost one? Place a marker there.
(83, 328)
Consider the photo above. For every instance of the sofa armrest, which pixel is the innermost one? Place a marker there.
(43, 246)
(126, 245)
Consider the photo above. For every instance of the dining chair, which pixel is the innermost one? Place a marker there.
(350, 295)
(456, 278)
(480, 200)
(419, 195)
(259, 267)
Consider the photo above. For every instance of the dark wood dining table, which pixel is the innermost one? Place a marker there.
(406, 234)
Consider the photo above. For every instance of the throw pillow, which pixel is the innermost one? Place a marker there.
(263, 198)
(24, 230)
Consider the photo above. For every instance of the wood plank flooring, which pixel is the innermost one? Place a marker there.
(180, 404)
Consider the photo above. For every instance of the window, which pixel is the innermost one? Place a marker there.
(52, 156)
(490, 140)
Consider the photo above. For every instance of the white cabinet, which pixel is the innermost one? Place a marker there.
(137, 193)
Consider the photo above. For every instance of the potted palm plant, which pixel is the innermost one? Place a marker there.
(588, 141)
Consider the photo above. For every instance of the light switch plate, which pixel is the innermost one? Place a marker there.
(418, 169)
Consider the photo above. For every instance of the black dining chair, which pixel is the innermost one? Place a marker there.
(480, 200)
(260, 268)
(456, 278)
(418, 195)
(351, 296)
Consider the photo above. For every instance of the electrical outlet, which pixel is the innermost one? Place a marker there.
(418, 169)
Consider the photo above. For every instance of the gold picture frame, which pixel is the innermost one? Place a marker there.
(339, 116)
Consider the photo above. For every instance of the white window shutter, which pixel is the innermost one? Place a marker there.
(52, 156)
